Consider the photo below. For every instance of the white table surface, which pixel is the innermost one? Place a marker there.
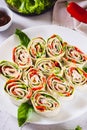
(7, 122)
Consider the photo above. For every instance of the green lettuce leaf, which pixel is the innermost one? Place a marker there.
(31, 6)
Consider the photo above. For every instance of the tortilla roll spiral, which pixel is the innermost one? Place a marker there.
(55, 46)
(74, 55)
(49, 65)
(9, 69)
(58, 86)
(18, 91)
(21, 56)
(34, 78)
(37, 47)
(45, 104)
(75, 75)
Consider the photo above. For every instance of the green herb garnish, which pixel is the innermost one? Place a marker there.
(23, 37)
(25, 111)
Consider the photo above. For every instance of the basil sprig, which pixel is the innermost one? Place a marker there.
(23, 37)
(78, 128)
(25, 111)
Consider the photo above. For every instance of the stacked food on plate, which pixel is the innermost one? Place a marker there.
(43, 72)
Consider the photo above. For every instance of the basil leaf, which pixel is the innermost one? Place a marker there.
(24, 113)
(23, 37)
(78, 128)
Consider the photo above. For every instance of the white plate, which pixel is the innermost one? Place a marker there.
(69, 109)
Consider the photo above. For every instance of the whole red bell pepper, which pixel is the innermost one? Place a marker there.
(77, 12)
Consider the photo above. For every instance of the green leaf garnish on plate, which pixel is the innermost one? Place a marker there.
(23, 37)
(25, 111)
(78, 128)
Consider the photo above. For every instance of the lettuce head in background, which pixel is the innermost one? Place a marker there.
(30, 6)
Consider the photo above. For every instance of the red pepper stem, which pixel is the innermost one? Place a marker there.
(66, 3)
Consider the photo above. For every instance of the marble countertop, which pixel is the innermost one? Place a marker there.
(8, 122)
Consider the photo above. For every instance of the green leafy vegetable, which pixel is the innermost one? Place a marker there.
(78, 128)
(23, 37)
(24, 113)
(31, 6)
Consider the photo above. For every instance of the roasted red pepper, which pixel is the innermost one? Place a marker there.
(77, 12)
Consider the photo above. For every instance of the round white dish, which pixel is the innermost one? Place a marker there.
(69, 109)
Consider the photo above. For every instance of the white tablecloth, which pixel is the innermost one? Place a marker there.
(7, 122)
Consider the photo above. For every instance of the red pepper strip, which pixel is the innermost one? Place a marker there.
(41, 108)
(11, 80)
(77, 12)
(29, 94)
(14, 92)
(11, 85)
(33, 51)
(71, 70)
(13, 57)
(37, 87)
(85, 74)
(73, 61)
(34, 72)
(53, 36)
(37, 95)
(78, 50)
(85, 57)
(67, 93)
(43, 79)
(56, 63)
